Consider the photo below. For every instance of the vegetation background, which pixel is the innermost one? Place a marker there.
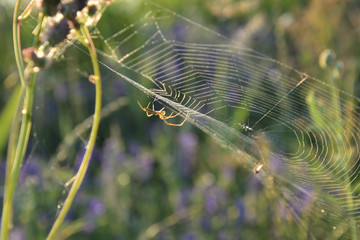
(147, 179)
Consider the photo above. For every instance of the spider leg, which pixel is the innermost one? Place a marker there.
(161, 113)
(185, 119)
(172, 124)
(175, 124)
(172, 116)
(153, 108)
(145, 109)
(167, 117)
(141, 107)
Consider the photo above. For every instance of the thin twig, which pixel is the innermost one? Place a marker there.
(79, 177)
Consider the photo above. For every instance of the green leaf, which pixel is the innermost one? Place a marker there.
(6, 117)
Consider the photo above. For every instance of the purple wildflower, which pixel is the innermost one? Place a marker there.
(61, 92)
(188, 143)
(17, 234)
(188, 236)
(241, 208)
(276, 163)
(183, 198)
(206, 223)
(145, 167)
(96, 208)
(134, 148)
(211, 204)
(30, 170)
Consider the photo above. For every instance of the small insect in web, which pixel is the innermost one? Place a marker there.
(247, 128)
(162, 115)
(258, 168)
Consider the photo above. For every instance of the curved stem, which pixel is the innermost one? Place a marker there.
(10, 179)
(89, 148)
(13, 170)
(15, 125)
(18, 144)
(17, 43)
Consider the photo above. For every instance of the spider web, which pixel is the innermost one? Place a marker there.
(260, 108)
(302, 130)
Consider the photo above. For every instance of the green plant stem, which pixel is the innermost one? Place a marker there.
(20, 66)
(17, 43)
(15, 164)
(15, 125)
(79, 177)
(10, 180)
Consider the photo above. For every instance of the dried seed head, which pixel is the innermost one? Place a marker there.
(58, 32)
(92, 9)
(27, 53)
(50, 7)
(80, 4)
(37, 57)
(69, 10)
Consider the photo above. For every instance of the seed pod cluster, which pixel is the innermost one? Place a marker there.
(64, 16)
(50, 7)
(58, 32)
(37, 57)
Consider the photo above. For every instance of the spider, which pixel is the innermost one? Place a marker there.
(162, 114)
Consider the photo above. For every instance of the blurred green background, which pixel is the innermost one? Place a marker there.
(146, 179)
